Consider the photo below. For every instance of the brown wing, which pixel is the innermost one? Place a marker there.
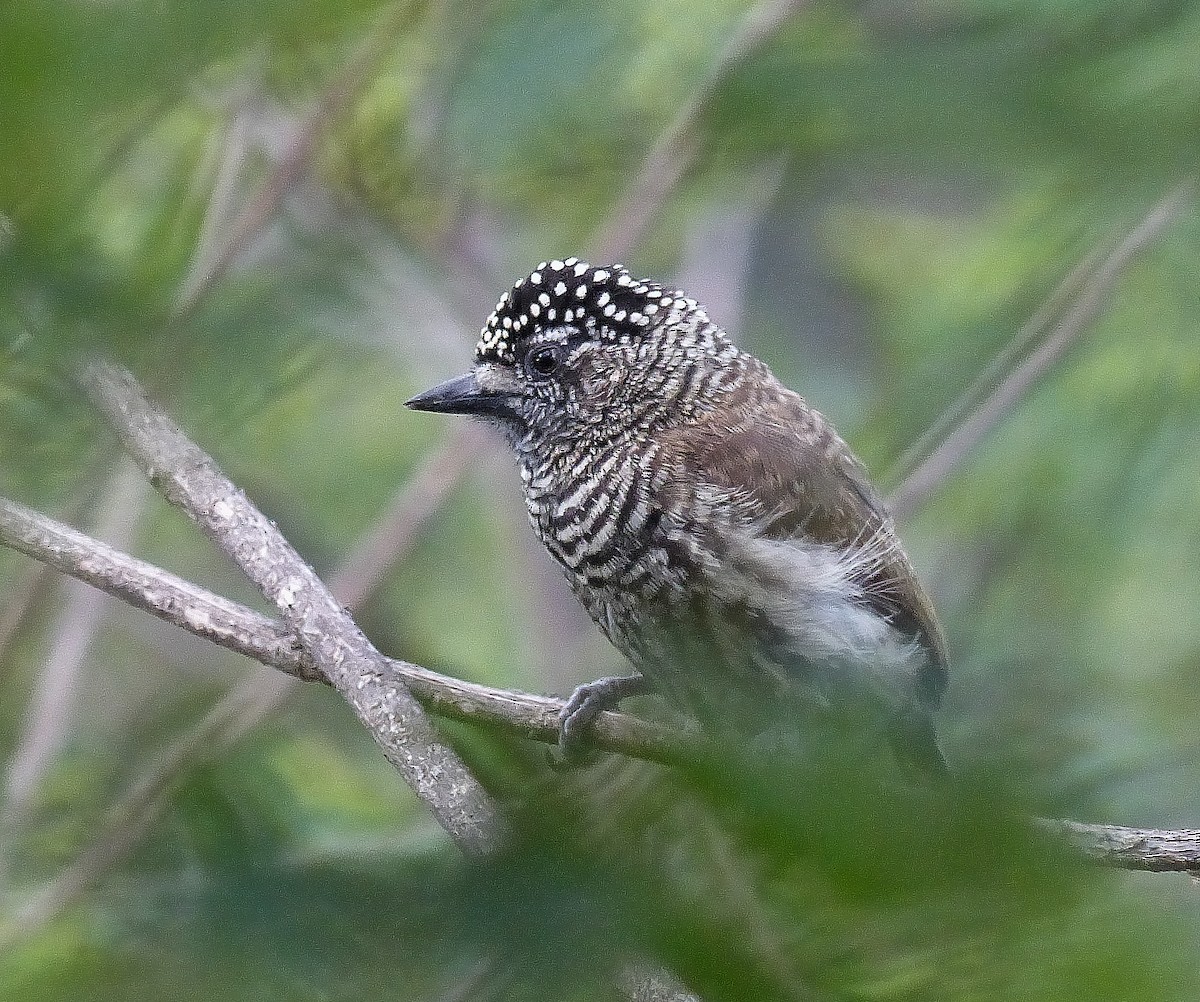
(797, 474)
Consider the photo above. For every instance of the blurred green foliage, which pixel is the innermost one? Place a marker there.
(880, 197)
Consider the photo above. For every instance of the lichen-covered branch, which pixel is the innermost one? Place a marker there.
(190, 480)
(271, 643)
(1160, 850)
(521, 714)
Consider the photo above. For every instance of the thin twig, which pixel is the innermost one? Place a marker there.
(675, 149)
(23, 595)
(206, 264)
(1032, 333)
(49, 716)
(535, 717)
(419, 499)
(295, 162)
(934, 471)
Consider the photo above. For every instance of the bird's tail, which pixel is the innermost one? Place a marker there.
(915, 744)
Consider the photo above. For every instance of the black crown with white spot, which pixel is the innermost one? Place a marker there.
(606, 302)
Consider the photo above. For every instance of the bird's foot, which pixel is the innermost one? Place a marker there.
(587, 702)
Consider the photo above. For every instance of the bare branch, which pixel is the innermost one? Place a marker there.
(159, 592)
(675, 149)
(32, 582)
(934, 471)
(520, 714)
(1159, 850)
(653, 986)
(269, 642)
(189, 479)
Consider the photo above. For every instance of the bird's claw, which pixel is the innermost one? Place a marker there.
(587, 702)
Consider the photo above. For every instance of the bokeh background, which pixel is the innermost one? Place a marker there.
(289, 217)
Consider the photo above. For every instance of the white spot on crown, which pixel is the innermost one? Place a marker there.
(607, 302)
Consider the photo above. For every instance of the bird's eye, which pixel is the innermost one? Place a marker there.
(543, 360)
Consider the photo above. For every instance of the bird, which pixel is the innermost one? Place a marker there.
(717, 529)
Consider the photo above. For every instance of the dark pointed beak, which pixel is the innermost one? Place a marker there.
(463, 396)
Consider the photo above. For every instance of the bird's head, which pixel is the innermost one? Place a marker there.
(574, 352)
